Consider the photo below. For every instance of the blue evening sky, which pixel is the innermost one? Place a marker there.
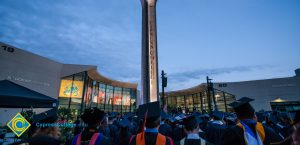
(229, 40)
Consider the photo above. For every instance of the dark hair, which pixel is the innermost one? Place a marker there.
(245, 114)
(153, 122)
(190, 123)
(93, 116)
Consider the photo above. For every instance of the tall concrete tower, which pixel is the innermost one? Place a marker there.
(149, 84)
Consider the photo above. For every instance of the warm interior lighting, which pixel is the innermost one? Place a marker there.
(279, 100)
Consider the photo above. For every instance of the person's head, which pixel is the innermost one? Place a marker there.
(296, 137)
(248, 113)
(150, 112)
(243, 109)
(191, 125)
(48, 117)
(94, 118)
(217, 115)
(153, 122)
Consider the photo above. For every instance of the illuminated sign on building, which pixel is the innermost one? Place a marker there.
(69, 88)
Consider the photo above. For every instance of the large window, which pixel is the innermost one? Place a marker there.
(109, 98)
(101, 95)
(132, 99)
(126, 100)
(71, 92)
(117, 100)
(79, 92)
(200, 101)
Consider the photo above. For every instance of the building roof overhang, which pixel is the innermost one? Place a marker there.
(95, 75)
(70, 69)
(192, 90)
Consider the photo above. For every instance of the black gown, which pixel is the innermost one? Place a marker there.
(178, 133)
(113, 130)
(166, 129)
(150, 139)
(214, 133)
(192, 142)
(87, 135)
(235, 136)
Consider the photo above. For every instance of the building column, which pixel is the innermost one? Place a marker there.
(201, 101)
(225, 103)
(70, 98)
(84, 91)
(105, 96)
(122, 100)
(184, 98)
(112, 101)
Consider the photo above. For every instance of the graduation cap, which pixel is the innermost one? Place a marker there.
(152, 109)
(242, 106)
(128, 115)
(260, 116)
(191, 122)
(92, 116)
(112, 115)
(124, 123)
(49, 116)
(218, 114)
(205, 117)
(273, 116)
(149, 112)
(164, 115)
(172, 119)
(195, 113)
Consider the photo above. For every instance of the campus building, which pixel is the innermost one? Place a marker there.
(202, 98)
(281, 94)
(73, 86)
(269, 94)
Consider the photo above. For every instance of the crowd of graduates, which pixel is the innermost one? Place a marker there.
(153, 126)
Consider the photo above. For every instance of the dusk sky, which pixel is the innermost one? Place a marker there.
(228, 40)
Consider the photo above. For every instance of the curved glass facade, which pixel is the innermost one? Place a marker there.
(79, 91)
(202, 100)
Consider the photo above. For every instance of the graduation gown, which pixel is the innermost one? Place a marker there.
(191, 142)
(113, 130)
(235, 136)
(150, 139)
(166, 129)
(87, 135)
(178, 133)
(214, 133)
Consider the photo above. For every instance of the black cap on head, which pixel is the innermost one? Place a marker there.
(164, 115)
(218, 115)
(124, 123)
(190, 123)
(128, 115)
(195, 113)
(153, 109)
(153, 114)
(260, 116)
(92, 116)
(242, 107)
(112, 115)
(49, 116)
(273, 116)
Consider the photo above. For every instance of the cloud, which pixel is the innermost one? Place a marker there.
(74, 33)
(184, 79)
